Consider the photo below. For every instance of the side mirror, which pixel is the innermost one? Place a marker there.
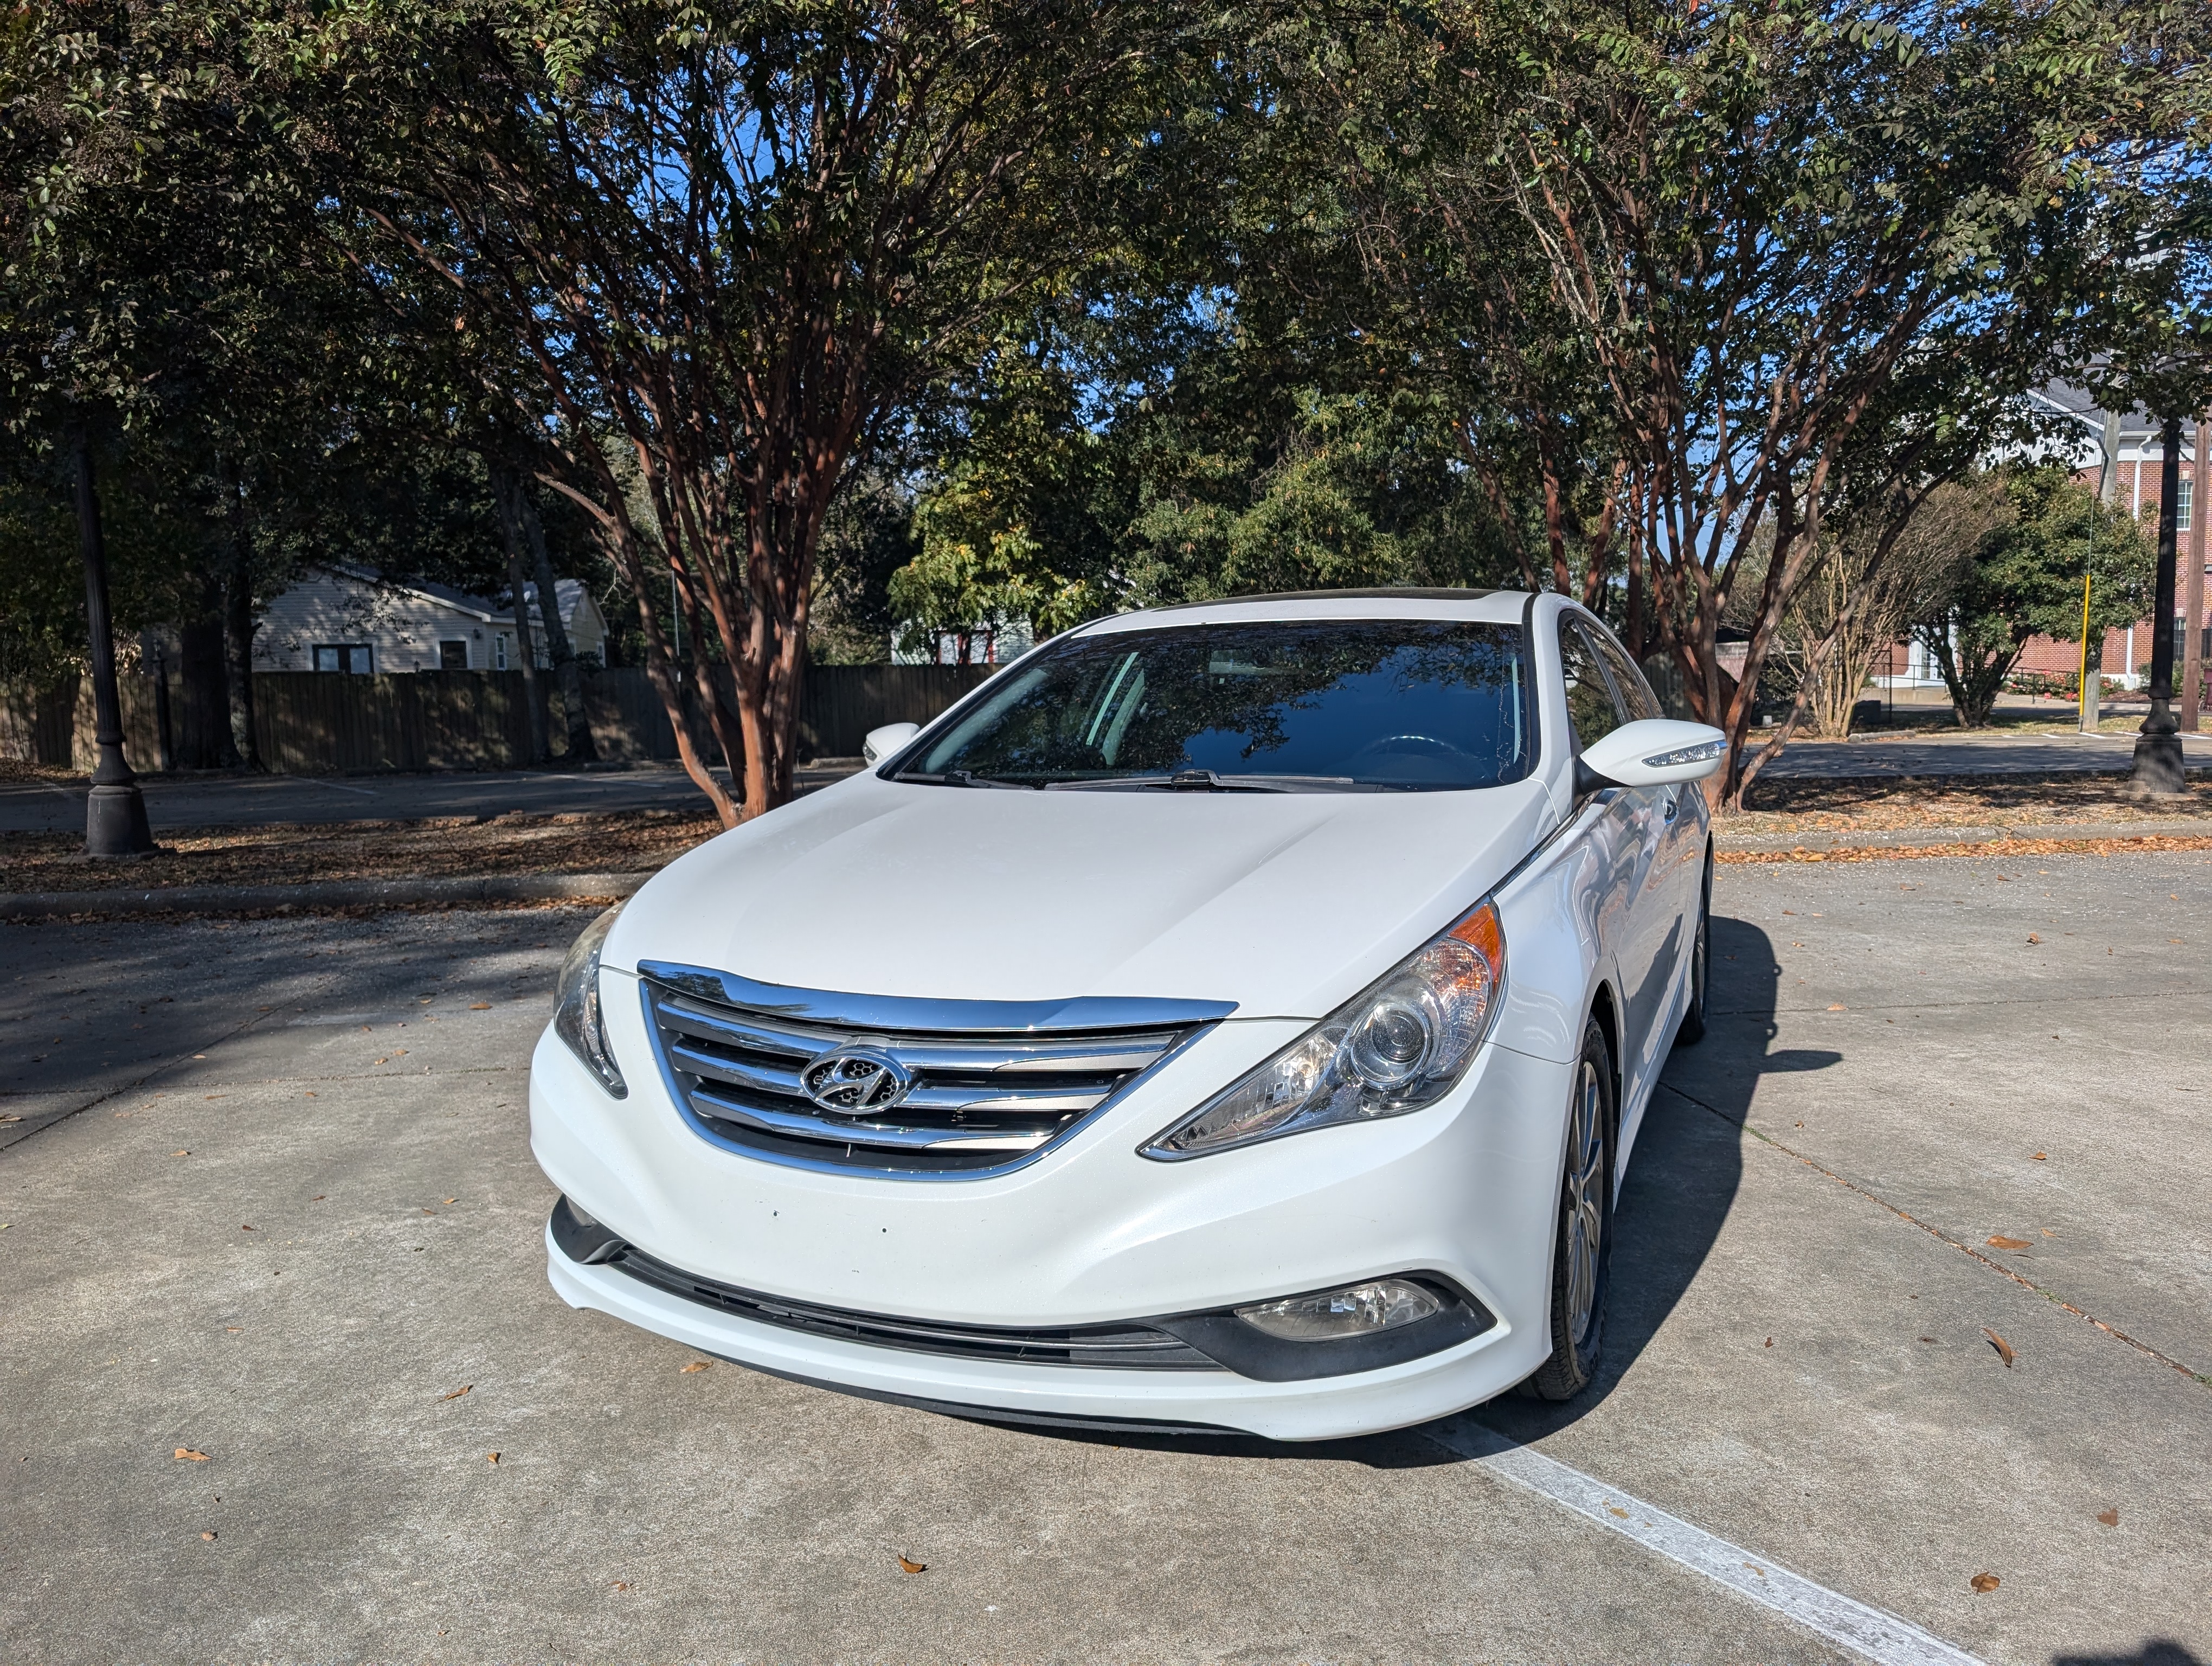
(1658, 751)
(882, 743)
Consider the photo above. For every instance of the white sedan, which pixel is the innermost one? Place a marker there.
(1228, 1016)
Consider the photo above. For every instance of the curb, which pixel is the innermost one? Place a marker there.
(321, 894)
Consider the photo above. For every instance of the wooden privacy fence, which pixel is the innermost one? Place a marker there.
(329, 723)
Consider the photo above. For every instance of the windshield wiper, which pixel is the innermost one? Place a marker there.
(963, 778)
(1207, 780)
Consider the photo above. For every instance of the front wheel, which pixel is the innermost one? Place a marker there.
(1582, 1257)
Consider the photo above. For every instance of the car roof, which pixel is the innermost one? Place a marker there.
(1499, 606)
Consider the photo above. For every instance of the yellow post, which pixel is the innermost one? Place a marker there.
(2081, 688)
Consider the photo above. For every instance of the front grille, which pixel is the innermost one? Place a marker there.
(1122, 1347)
(958, 1097)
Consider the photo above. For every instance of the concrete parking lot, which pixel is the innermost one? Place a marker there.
(268, 1198)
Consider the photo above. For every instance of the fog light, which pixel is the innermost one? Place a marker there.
(1334, 1316)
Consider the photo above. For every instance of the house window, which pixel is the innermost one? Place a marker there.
(453, 654)
(499, 646)
(344, 656)
(2183, 504)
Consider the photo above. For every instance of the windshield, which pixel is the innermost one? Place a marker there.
(1313, 705)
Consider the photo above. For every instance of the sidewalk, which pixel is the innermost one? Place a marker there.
(1968, 753)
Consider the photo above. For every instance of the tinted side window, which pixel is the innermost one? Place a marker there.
(1590, 706)
(1627, 679)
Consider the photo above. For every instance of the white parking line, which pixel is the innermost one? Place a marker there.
(1879, 1636)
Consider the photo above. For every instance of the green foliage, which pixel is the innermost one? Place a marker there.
(2025, 581)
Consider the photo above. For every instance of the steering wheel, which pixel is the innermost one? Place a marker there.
(1413, 743)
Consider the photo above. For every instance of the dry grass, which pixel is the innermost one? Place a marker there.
(296, 853)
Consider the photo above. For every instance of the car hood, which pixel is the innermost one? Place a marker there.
(1284, 903)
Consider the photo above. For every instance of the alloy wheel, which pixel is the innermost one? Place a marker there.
(1585, 1200)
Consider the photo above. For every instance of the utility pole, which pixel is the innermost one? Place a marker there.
(2158, 771)
(2093, 654)
(2192, 584)
(115, 809)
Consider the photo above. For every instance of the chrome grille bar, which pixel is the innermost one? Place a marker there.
(969, 1100)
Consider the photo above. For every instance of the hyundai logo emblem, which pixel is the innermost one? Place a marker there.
(852, 1081)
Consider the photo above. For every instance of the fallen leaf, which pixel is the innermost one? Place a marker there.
(234, 1329)
(1928, 1338)
(207, 1535)
(244, 1229)
(1984, 1582)
(2003, 1243)
(2003, 1347)
(188, 1452)
(452, 1200)
(1838, 1007)
(1770, 1341)
(180, 1154)
(2110, 1517)
(2032, 937)
(2039, 1158)
(485, 1006)
(491, 1457)
(1618, 1511)
(914, 1567)
(317, 1198)
(620, 1584)
(457, 1393)
(696, 1364)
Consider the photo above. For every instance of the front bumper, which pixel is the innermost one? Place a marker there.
(1090, 1234)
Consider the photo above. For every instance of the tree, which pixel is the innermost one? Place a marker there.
(1759, 215)
(1865, 593)
(737, 241)
(2024, 579)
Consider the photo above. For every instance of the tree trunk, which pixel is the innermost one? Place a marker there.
(238, 626)
(507, 491)
(204, 738)
(567, 672)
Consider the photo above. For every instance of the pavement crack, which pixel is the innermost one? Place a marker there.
(2201, 1379)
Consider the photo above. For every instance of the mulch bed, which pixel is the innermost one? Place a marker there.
(632, 841)
(1781, 807)
(296, 853)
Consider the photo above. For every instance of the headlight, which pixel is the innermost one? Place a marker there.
(1398, 1046)
(576, 1016)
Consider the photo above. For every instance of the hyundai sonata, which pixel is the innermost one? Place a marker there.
(1228, 1016)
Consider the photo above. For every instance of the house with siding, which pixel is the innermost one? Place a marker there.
(342, 618)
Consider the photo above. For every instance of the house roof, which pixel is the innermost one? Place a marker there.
(2138, 428)
(567, 594)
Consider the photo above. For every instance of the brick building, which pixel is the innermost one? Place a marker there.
(2134, 480)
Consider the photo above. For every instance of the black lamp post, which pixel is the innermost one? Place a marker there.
(115, 812)
(2158, 766)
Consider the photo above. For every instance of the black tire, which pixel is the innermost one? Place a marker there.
(1579, 1279)
(1692, 1029)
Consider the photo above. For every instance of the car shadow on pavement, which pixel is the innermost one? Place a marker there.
(1681, 1182)
(2159, 1652)
(1685, 1170)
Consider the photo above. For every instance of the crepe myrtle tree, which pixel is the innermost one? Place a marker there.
(1760, 214)
(713, 250)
